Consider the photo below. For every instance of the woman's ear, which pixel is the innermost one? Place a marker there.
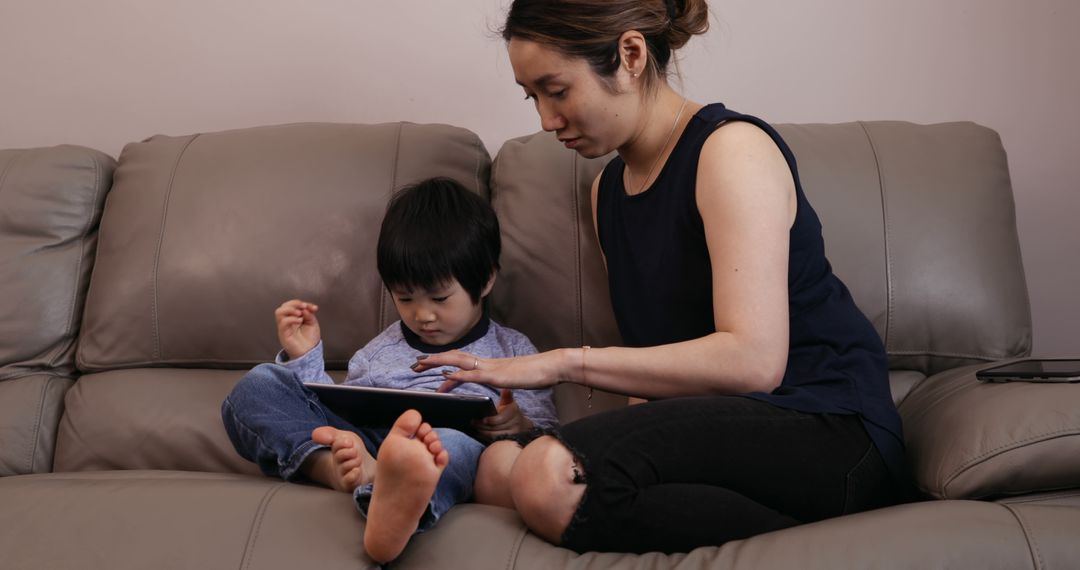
(633, 53)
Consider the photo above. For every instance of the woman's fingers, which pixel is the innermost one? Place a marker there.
(455, 358)
(448, 385)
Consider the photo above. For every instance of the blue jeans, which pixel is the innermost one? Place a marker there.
(269, 417)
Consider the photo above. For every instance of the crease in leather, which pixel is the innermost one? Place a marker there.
(34, 438)
(80, 257)
(1033, 545)
(1024, 499)
(256, 524)
(3, 175)
(923, 352)
(156, 355)
(515, 548)
(992, 453)
(887, 234)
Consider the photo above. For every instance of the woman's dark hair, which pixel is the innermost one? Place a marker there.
(590, 29)
(436, 230)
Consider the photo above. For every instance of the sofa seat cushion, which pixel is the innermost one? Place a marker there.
(936, 534)
(967, 439)
(161, 519)
(149, 418)
(30, 409)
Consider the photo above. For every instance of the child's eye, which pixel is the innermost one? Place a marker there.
(440, 299)
(404, 299)
(559, 94)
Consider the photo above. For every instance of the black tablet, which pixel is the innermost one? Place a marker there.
(364, 406)
(1033, 370)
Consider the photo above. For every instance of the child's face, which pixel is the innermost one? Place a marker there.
(440, 315)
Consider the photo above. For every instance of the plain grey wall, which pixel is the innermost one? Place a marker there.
(108, 72)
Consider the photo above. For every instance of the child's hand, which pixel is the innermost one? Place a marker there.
(297, 327)
(508, 420)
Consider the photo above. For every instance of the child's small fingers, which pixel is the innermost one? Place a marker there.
(506, 397)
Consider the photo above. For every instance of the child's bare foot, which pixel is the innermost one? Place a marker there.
(411, 460)
(345, 466)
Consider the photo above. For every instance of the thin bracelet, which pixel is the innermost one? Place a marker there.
(588, 397)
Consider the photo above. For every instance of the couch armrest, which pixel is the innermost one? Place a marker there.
(967, 439)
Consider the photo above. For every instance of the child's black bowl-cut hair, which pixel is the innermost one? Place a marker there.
(436, 230)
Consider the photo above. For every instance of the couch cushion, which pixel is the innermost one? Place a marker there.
(205, 235)
(30, 409)
(50, 203)
(938, 534)
(153, 519)
(148, 418)
(967, 439)
(919, 222)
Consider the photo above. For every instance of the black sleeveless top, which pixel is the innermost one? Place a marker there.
(660, 279)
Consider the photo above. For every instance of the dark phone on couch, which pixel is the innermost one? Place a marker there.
(1033, 370)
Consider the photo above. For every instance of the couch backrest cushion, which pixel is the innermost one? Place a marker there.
(205, 235)
(50, 204)
(552, 285)
(919, 223)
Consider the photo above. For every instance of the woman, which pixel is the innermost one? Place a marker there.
(768, 392)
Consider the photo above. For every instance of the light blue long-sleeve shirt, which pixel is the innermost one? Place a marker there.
(384, 363)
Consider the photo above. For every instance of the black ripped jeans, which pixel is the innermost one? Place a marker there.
(676, 474)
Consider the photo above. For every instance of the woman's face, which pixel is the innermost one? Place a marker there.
(572, 101)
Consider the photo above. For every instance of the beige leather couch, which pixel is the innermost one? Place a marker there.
(137, 291)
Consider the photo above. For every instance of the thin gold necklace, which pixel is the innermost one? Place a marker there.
(662, 149)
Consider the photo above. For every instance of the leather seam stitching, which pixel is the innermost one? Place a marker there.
(37, 426)
(9, 166)
(511, 560)
(917, 352)
(1033, 545)
(155, 330)
(989, 454)
(887, 235)
(256, 525)
(72, 313)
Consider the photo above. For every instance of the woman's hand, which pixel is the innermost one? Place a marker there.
(509, 419)
(532, 371)
(297, 327)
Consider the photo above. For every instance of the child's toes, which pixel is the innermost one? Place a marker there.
(442, 459)
(345, 454)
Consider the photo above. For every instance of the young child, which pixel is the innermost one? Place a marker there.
(438, 254)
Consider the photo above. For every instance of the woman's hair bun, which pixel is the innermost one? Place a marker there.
(688, 19)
